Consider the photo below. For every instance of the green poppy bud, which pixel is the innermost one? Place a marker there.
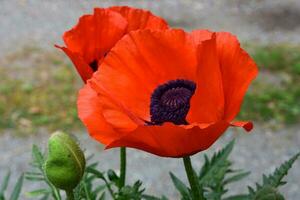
(268, 193)
(65, 163)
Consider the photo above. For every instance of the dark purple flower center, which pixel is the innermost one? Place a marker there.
(94, 65)
(170, 102)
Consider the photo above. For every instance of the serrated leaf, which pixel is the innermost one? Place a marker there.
(180, 186)
(17, 189)
(251, 190)
(272, 181)
(218, 163)
(275, 179)
(236, 177)
(212, 174)
(267, 192)
(4, 184)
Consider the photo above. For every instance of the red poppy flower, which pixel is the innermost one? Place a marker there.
(92, 38)
(167, 92)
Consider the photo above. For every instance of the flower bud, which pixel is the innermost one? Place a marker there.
(65, 163)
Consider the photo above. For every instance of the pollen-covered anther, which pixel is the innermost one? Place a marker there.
(170, 102)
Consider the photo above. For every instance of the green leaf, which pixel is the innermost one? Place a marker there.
(236, 177)
(238, 197)
(4, 184)
(34, 177)
(212, 174)
(17, 189)
(267, 192)
(268, 189)
(150, 197)
(45, 197)
(180, 186)
(38, 157)
(95, 172)
(218, 165)
(113, 177)
(102, 197)
(275, 179)
(38, 192)
(99, 189)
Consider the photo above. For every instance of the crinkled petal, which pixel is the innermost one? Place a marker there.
(90, 111)
(142, 61)
(238, 70)
(140, 18)
(207, 104)
(81, 66)
(96, 34)
(248, 126)
(170, 140)
(201, 35)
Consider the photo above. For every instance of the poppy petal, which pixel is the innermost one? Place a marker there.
(81, 66)
(170, 140)
(96, 34)
(207, 104)
(248, 126)
(91, 113)
(141, 61)
(139, 18)
(238, 70)
(201, 35)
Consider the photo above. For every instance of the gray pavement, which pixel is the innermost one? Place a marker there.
(259, 152)
(43, 22)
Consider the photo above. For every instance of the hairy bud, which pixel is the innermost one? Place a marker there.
(65, 163)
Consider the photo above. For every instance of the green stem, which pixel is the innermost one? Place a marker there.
(122, 167)
(197, 191)
(70, 195)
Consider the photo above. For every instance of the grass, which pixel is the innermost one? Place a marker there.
(275, 95)
(38, 88)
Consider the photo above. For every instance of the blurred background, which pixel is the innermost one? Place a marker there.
(38, 84)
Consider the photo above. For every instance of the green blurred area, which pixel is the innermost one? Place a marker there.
(274, 97)
(38, 89)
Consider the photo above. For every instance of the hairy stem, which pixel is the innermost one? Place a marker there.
(122, 167)
(197, 191)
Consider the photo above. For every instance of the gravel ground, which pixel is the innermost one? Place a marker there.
(42, 23)
(259, 152)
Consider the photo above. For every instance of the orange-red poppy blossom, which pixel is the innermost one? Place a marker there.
(91, 39)
(167, 92)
